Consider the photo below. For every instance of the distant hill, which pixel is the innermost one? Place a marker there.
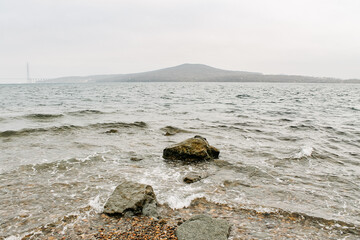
(198, 73)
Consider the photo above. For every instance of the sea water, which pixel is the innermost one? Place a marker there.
(293, 147)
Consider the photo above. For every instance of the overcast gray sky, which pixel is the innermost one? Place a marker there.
(85, 37)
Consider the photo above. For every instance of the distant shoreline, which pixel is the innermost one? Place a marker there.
(198, 73)
(50, 83)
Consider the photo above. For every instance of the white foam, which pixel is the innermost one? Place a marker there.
(176, 202)
(13, 238)
(96, 204)
(306, 151)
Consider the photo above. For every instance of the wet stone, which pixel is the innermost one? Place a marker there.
(130, 198)
(191, 150)
(193, 177)
(203, 227)
(150, 209)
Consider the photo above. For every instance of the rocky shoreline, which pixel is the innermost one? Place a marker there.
(132, 212)
(275, 225)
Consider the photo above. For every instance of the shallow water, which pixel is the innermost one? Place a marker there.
(292, 147)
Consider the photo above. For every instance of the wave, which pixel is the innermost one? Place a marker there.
(49, 116)
(85, 112)
(43, 116)
(28, 131)
(247, 124)
(65, 128)
(230, 128)
(288, 138)
(62, 165)
(170, 130)
(243, 96)
(303, 127)
(118, 125)
(285, 120)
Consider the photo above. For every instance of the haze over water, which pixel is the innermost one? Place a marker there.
(294, 147)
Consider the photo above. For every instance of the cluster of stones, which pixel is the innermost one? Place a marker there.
(130, 198)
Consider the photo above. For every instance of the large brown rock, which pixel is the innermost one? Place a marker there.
(191, 150)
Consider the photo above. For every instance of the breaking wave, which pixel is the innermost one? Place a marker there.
(62, 165)
(304, 152)
(43, 116)
(85, 112)
(65, 128)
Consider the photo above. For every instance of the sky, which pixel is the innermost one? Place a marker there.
(85, 37)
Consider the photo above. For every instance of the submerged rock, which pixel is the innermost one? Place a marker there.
(130, 198)
(222, 163)
(193, 177)
(169, 130)
(203, 227)
(112, 131)
(229, 184)
(191, 150)
(136, 159)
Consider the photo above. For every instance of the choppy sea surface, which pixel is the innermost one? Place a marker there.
(292, 147)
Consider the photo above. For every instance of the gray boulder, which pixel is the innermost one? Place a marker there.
(203, 227)
(130, 198)
(191, 150)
